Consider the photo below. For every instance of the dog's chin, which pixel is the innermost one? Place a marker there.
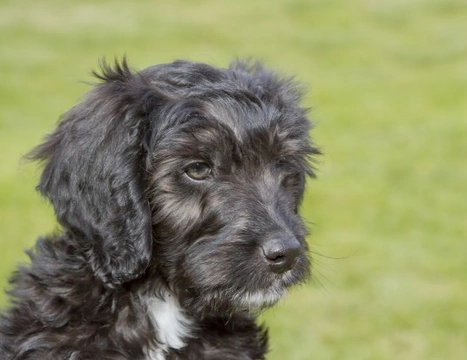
(256, 302)
(252, 302)
(254, 296)
(225, 302)
(259, 300)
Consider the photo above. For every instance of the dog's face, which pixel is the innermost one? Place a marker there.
(227, 177)
(220, 169)
(225, 192)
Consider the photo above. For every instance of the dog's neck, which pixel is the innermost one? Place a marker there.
(172, 325)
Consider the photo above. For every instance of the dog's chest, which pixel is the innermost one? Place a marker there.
(172, 326)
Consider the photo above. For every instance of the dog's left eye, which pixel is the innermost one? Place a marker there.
(198, 171)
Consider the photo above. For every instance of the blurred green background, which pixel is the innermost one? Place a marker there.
(388, 83)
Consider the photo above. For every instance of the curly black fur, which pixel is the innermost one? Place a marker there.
(143, 240)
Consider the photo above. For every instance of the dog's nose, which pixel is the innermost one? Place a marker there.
(281, 253)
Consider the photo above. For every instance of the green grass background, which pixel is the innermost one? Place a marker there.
(388, 83)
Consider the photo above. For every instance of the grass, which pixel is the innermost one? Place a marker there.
(389, 95)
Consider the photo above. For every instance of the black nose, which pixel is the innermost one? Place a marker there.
(281, 253)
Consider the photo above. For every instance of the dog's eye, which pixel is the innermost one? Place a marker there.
(198, 171)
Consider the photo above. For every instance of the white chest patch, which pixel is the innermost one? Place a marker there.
(171, 324)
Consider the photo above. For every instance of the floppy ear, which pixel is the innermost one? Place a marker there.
(94, 174)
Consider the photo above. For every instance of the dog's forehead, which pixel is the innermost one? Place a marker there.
(210, 123)
(218, 109)
(241, 115)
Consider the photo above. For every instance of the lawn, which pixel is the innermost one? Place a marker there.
(388, 91)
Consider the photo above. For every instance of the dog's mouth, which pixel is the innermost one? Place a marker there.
(255, 301)
(253, 297)
(237, 283)
(263, 298)
(231, 299)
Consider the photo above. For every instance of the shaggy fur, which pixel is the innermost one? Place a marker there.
(177, 191)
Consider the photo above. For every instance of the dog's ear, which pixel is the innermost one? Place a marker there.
(95, 172)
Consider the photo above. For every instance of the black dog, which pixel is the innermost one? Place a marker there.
(177, 189)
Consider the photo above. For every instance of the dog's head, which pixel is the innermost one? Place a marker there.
(189, 173)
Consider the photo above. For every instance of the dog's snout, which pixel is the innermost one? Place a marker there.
(281, 253)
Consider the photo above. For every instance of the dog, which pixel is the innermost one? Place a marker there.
(177, 190)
